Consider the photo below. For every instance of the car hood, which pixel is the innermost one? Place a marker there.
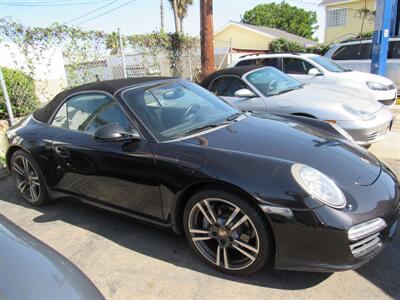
(331, 100)
(32, 270)
(279, 138)
(363, 77)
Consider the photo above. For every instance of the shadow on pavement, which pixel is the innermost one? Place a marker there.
(383, 271)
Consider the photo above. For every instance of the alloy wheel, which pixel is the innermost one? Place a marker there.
(26, 178)
(223, 234)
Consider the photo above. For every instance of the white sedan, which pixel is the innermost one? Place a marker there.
(316, 69)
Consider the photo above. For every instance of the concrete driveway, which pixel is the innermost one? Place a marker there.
(129, 260)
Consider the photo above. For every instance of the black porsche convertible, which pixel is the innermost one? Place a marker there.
(244, 188)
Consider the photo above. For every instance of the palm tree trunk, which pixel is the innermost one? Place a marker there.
(178, 28)
(181, 24)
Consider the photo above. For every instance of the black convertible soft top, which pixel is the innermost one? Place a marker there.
(235, 71)
(111, 86)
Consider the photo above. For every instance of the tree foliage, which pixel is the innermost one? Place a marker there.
(21, 103)
(180, 9)
(282, 45)
(283, 16)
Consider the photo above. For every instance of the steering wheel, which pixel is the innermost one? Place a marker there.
(190, 111)
(272, 85)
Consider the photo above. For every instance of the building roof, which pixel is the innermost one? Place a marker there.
(110, 86)
(332, 2)
(272, 32)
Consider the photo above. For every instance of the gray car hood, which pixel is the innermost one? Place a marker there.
(328, 103)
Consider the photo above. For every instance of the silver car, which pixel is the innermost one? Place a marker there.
(266, 89)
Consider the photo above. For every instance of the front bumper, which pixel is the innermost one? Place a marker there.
(370, 131)
(317, 239)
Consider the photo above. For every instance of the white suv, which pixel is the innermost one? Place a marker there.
(316, 69)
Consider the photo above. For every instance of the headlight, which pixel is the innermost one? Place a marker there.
(363, 115)
(378, 86)
(318, 185)
(342, 132)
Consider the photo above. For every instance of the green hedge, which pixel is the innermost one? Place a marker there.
(21, 90)
(282, 45)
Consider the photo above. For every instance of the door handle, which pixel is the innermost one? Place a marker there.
(62, 152)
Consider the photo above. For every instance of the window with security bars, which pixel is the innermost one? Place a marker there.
(336, 17)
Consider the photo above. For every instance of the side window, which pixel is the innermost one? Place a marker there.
(235, 86)
(296, 66)
(356, 51)
(270, 62)
(246, 62)
(89, 112)
(220, 85)
(394, 49)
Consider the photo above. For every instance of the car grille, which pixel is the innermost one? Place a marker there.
(366, 245)
(377, 134)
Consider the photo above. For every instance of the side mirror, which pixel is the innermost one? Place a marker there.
(314, 72)
(244, 93)
(114, 132)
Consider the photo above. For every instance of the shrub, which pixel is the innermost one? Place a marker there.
(320, 49)
(282, 45)
(21, 90)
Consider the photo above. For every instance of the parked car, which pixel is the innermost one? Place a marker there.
(29, 269)
(316, 69)
(244, 188)
(356, 55)
(266, 89)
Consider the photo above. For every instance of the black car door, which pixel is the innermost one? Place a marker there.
(119, 174)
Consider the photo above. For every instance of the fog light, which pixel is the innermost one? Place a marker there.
(365, 229)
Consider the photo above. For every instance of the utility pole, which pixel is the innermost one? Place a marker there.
(207, 37)
(162, 15)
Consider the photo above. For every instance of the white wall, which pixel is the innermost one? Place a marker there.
(49, 72)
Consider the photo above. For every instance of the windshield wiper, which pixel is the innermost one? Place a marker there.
(227, 121)
(198, 129)
(233, 117)
(287, 90)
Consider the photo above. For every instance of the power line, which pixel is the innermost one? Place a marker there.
(90, 12)
(106, 12)
(43, 4)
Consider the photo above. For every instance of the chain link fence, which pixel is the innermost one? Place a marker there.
(56, 69)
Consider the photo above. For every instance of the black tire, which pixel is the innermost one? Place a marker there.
(261, 239)
(37, 182)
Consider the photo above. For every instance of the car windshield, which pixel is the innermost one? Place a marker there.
(177, 109)
(270, 81)
(329, 64)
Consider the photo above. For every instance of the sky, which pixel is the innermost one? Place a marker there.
(134, 16)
